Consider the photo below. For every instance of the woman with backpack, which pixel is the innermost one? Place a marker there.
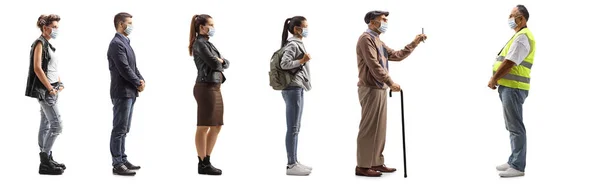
(207, 91)
(295, 60)
(43, 84)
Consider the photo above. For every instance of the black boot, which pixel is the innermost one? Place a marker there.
(47, 167)
(208, 168)
(60, 165)
(200, 166)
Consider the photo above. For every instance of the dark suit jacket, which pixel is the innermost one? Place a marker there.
(124, 74)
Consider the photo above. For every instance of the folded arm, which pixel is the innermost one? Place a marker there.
(204, 54)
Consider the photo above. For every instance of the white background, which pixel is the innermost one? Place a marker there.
(454, 124)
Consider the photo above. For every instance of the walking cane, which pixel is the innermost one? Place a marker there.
(403, 138)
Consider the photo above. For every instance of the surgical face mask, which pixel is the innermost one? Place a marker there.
(304, 32)
(129, 29)
(54, 33)
(383, 27)
(511, 23)
(211, 31)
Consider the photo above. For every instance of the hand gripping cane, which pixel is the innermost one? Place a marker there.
(403, 138)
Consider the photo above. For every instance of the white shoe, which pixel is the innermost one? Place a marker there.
(296, 169)
(304, 166)
(511, 172)
(503, 167)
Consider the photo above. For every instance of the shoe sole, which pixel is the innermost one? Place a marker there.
(202, 173)
(363, 175)
(124, 174)
(386, 171)
(132, 174)
(509, 176)
(210, 174)
(298, 174)
(43, 173)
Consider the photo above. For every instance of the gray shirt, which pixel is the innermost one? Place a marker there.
(519, 49)
(52, 72)
(291, 60)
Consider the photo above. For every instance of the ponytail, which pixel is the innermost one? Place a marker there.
(193, 33)
(288, 26)
(197, 20)
(284, 36)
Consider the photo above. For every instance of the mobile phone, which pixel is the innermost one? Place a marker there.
(423, 32)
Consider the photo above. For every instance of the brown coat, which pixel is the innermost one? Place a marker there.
(371, 72)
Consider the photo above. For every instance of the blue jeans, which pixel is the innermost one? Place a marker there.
(512, 103)
(294, 103)
(122, 111)
(51, 123)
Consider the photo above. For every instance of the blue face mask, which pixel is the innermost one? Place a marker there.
(54, 33)
(129, 29)
(304, 32)
(511, 23)
(383, 27)
(211, 32)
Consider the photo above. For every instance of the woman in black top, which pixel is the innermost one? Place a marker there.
(43, 84)
(207, 91)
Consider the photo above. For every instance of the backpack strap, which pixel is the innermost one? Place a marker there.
(302, 50)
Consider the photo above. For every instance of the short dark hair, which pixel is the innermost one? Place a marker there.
(374, 14)
(523, 11)
(45, 20)
(120, 17)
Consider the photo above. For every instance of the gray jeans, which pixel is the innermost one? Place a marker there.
(512, 103)
(51, 123)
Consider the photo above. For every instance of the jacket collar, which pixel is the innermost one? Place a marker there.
(122, 37)
(373, 33)
(294, 38)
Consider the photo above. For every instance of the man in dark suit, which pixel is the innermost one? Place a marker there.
(126, 83)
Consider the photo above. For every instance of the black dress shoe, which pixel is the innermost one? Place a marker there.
(122, 170)
(131, 166)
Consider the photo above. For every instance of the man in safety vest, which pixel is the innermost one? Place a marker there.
(511, 77)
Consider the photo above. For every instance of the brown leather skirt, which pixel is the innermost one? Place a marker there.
(210, 104)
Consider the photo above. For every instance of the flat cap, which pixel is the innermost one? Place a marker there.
(373, 14)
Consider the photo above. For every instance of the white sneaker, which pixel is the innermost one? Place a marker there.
(304, 166)
(503, 167)
(511, 172)
(296, 169)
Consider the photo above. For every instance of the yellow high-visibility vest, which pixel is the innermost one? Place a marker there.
(519, 76)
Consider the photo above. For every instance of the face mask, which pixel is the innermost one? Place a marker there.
(129, 29)
(54, 33)
(304, 32)
(211, 32)
(383, 27)
(511, 23)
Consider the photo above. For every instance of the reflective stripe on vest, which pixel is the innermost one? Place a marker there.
(523, 63)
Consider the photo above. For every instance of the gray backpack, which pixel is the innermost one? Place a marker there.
(280, 78)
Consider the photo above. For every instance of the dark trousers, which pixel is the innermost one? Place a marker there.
(122, 111)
